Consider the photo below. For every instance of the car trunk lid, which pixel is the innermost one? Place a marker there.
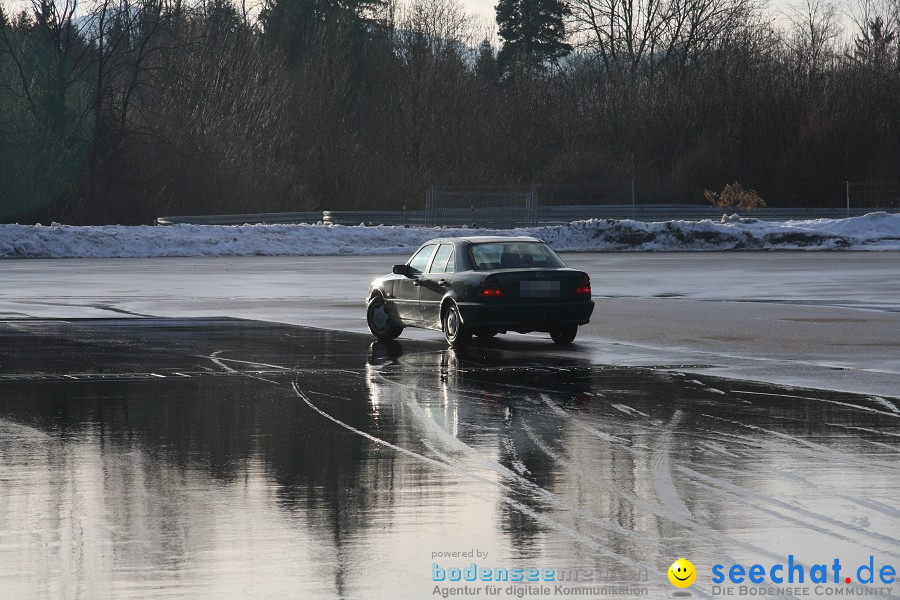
(545, 285)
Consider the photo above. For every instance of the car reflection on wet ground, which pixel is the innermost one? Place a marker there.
(228, 458)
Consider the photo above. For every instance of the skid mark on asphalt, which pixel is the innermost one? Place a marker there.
(452, 465)
(435, 432)
(662, 471)
(894, 413)
(602, 435)
(756, 501)
(820, 449)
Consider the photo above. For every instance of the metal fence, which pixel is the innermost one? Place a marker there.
(866, 196)
(517, 206)
(481, 206)
(522, 205)
(512, 206)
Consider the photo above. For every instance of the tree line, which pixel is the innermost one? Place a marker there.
(118, 111)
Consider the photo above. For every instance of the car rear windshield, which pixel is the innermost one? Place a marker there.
(514, 255)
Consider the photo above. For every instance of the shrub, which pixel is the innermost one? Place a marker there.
(735, 196)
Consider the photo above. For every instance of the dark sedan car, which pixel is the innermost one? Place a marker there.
(481, 286)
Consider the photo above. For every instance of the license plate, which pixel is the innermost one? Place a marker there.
(539, 289)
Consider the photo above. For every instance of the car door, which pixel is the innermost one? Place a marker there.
(433, 285)
(406, 289)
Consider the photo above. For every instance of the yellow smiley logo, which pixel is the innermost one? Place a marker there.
(682, 573)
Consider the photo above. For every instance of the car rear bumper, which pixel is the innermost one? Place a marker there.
(529, 316)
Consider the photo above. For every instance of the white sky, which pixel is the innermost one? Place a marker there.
(483, 15)
(481, 8)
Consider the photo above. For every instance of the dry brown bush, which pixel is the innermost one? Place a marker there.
(735, 196)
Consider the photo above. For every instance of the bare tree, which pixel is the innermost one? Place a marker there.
(634, 35)
(877, 40)
(815, 27)
(432, 39)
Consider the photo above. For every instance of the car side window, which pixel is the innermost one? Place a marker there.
(451, 262)
(418, 262)
(439, 264)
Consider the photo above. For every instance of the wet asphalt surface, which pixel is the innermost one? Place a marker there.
(222, 458)
(825, 320)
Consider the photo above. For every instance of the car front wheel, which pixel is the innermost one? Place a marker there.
(380, 322)
(564, 334)
(456, 334)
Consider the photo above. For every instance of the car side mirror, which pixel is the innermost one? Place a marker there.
(402, 270)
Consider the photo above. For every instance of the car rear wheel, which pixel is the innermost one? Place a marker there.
(564, 334)
(454, 331)
(380, 322)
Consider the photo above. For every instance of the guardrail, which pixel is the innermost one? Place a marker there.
(552, 215)
(546, 215)
(335, 217)
(254, 218)
(353, 217)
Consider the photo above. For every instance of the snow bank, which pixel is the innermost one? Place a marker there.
(875, 231)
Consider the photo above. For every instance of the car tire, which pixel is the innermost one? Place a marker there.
(457, 335)
(380, 322)
(564, 334)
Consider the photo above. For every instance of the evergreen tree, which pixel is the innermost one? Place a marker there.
(290, 23)
(486, 64)
(23, 22)
(873, 44)
(532, 30)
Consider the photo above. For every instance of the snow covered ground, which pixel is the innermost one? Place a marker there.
(875, 231)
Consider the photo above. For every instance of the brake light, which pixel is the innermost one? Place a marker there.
(584, 287)
(490, 288)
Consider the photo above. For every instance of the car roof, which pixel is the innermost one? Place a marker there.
(481, 239)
